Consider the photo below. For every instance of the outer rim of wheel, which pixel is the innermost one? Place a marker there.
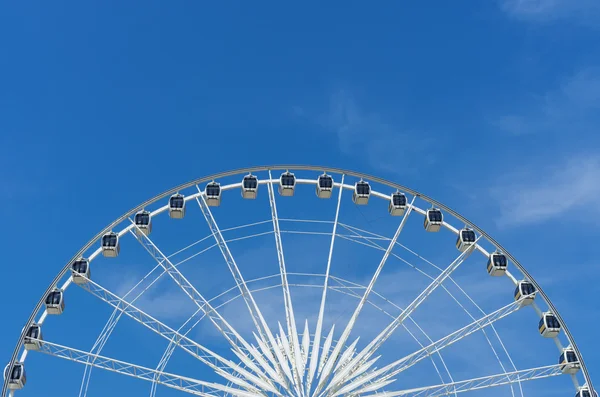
(373, 178)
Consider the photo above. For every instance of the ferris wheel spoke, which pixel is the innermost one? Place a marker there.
(375, 245)
(236, 341)
(387, 372)
(259, 322)
(344, 337)
(314, 357)
(475, 384)
(186, 384)
(219, 364)
(111, 325)
(298, 362)
(171, 349)
(372, 347)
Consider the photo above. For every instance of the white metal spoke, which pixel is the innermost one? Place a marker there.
(340, 344)
(475, 384)
(402, 364)
(319, 329)
(296, 358)
(171, 349)
(236, 341)
(186, 384)
(375, 245)
(372, 347)
(111, 325)
(205, 355)
(257, 318)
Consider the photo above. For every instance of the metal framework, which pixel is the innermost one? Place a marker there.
(288, 363)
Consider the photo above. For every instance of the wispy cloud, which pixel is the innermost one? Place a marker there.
(542, 194)
(573, 106)
(370, 135)
(584, 11)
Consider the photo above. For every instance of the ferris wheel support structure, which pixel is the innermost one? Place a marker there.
(262, 326)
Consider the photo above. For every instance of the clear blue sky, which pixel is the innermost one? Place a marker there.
(491, 107)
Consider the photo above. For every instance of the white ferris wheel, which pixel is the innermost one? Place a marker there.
(294, 281)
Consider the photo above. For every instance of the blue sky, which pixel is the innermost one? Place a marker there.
(490, 107)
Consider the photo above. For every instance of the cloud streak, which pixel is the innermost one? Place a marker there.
(541, 195)
(584, 11)
(572, 106)
(370, 136)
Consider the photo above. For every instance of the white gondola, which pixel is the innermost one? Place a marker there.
(80, 271)
(177, 206)
(549, 326)
(287, 184)
(249, 187)
(497, 264)
(33, 337)
(433, 220)
(143, 221)
(362, 192)
(55, 301)
(110, 245)
(466, 238)
(397, 204)
(324, 186)
(17, 378)
(584, 391)
(212, 192)
(525, 290)
(568, 361)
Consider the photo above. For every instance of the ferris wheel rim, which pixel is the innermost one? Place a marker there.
(297, 167)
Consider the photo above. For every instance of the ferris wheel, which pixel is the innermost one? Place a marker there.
(294, 281)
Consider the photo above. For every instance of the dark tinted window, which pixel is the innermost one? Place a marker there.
(142, 219)
(552, 322)
(288, 180)
(33, 332)
(326, 182)
(363, 188)
(434, 215)
(399, 200)
(53, 298)
(468, 236)
(16, 372)
(213, 190)
(571, 357)
(250, 183)
(176, 202)
(109, 240)
(527, 288)
(499, 260)
(80, 266)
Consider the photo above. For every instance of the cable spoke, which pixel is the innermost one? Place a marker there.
(171, 349)
(235, 340)
(189, 385)
(205, 355)
(372, 347)
(375, 245)
(317, 339)
(340, 344)
(259, 321)
(402, 364)
(111, 325)
(475, 384)
(296, 357)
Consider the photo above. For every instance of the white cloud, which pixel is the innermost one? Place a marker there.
(573, 107)
(584, 11)
(370, 136)
(543, 194)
